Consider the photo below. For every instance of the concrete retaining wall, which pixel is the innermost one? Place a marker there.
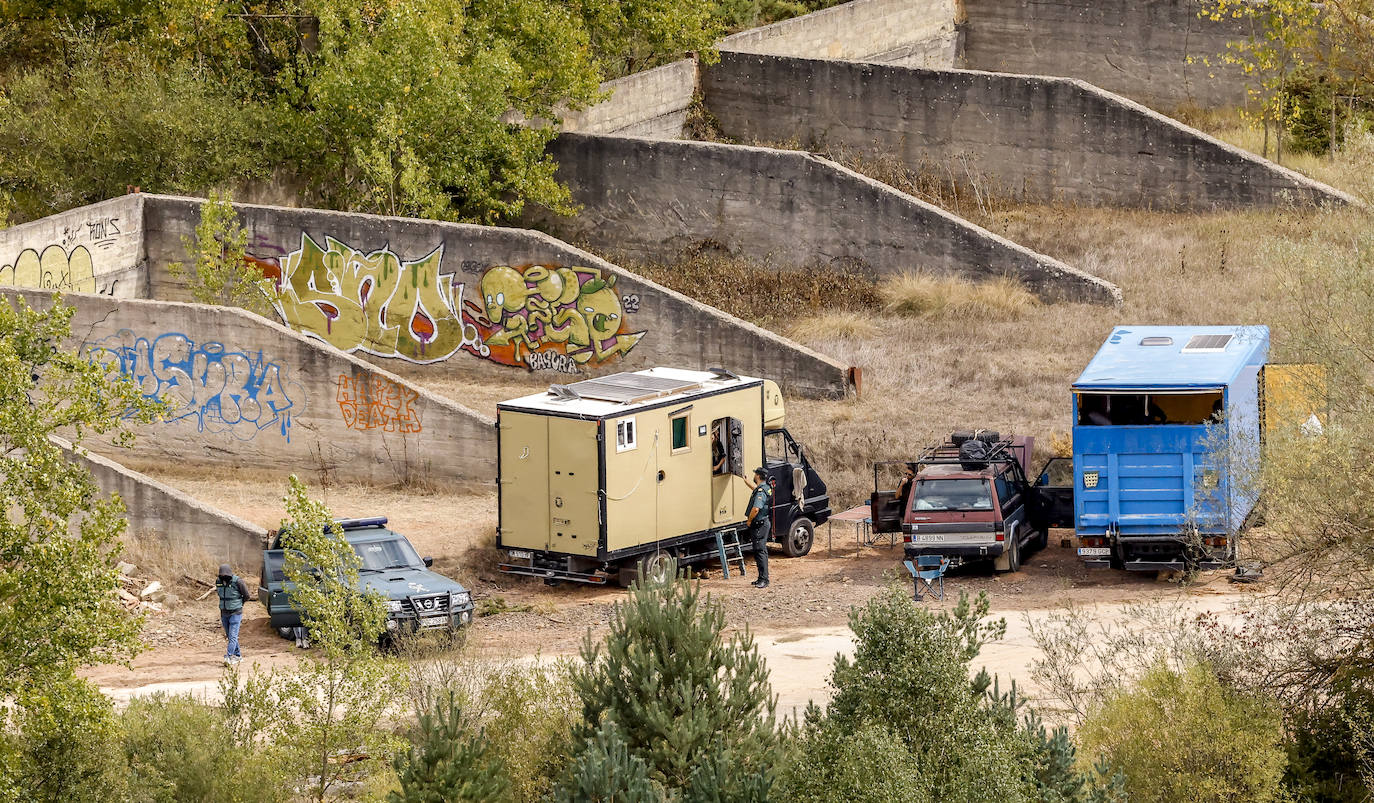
(652, 103)
(1137, 48)
(917, 33)
(653, 198)
(555, 309)
(250, 394)
(91, 249)
(160, 511)
(1032, 138)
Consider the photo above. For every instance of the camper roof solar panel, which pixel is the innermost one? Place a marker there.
(1207, 343)
(630, 387)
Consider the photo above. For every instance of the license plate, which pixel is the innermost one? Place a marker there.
(520, 554)
(433, 621)
(930, 539)
(1094, 551)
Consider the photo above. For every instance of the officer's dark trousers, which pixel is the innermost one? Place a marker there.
(759, 543)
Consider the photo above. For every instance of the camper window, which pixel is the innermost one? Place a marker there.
(680, 442)
(625, 435)
(1144, 409)
(727, 450)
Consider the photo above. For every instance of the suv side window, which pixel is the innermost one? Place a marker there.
(1005, 490)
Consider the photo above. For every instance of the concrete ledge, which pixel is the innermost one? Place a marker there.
(91, 249)
(653, 198)
(914, 31)
(1032, 138)
(163, 512)
(652, 103)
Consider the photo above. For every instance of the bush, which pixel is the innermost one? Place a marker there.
(910, 677)
(447, 762)
(66, 748)
(1182, 736)
(178, 749)
(870, 765)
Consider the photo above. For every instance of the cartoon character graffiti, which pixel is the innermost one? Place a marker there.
(240, 393)
(55, 269)
(540, 317)
(548, 307)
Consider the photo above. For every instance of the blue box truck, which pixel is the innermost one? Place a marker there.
(1166, 446)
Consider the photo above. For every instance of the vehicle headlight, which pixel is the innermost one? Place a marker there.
(462, 598)
(393, 605)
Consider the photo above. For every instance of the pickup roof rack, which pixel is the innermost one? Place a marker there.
(995, 449)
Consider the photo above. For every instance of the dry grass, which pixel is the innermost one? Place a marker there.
(924, 377)
(758, 292)
(930, 295)
(834, 323)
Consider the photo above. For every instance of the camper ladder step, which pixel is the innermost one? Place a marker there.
(729, 548)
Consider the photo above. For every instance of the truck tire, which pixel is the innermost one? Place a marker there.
(1043, 539)
(1013, 554)
(658, 567)
(799, 537)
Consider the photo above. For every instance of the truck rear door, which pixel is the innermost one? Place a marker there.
(524, 487)
(1052, 496)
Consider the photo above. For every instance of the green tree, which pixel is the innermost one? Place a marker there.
(632, 35)
(334, 704)
(1182, 736)
(910, 676)
(606, 772)
(220, 272)
(867, 765)
(58, 542)
(680, 693)
(446, 762)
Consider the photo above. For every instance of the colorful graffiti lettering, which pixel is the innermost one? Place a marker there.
(378, 403)
(55, 269)
(240, 393)
(572, 311)
(381, 304)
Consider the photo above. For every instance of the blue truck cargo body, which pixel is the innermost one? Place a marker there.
(1166, 442)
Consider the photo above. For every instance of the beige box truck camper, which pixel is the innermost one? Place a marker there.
(605, 478)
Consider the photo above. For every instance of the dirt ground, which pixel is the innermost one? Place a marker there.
(800, 620)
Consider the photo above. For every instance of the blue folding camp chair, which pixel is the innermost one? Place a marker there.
(929, 572)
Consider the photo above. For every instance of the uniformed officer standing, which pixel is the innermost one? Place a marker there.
(760, 524)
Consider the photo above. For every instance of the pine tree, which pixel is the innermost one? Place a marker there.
(447, 763)
(605, 772)
(677, 691)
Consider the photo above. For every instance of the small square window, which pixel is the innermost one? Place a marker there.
(625, 435)
(679, 425)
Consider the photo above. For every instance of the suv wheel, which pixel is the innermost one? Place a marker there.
(1013, 556)
(800, 536)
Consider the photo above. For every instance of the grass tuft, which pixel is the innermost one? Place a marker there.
(834, 323)
(927, 295)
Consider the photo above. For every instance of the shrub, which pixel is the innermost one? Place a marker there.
(447, 762)
(1182, 736)
(869, 765)
(66, 748)
(179, 749)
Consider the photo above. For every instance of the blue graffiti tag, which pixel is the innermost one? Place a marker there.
(239, 393)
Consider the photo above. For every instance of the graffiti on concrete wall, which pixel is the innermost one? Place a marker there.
(220, 390)
(538, 317)
(374, 402)
(55, 269)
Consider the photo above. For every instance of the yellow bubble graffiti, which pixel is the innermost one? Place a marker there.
(55, 269)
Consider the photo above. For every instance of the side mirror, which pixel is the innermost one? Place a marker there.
(428, 561)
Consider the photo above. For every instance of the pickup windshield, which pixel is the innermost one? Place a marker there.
(952, 494)
(392, 553)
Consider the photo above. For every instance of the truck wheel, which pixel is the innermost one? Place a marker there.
(286, 632)
(800, 536)
(657, 568)
(1043, 539)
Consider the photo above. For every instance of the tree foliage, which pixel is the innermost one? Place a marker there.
(446, 762)
(1182, 737)
(221, 273)
(405, 107)
(685, 700)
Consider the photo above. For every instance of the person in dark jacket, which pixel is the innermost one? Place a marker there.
(904, 490)
(233, 593)
(760, 524)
